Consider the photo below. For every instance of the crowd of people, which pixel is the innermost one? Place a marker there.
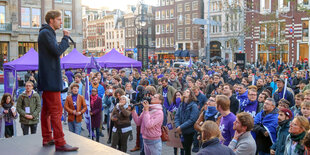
(208, 110)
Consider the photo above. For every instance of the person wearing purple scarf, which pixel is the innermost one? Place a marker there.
(167, 92)
(250, 106)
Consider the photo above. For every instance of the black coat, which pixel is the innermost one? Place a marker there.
(49, 78)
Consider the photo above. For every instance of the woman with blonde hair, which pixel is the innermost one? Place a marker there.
(211, 144)
(298, 129)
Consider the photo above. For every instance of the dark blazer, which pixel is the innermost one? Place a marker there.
(96, 110)
(49, 78)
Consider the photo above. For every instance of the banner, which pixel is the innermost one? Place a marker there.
(87, 116)
(174, 137)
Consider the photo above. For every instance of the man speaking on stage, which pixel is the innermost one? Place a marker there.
(50, 80)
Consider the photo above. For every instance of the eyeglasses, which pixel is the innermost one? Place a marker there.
(211, 100)
(252, 94)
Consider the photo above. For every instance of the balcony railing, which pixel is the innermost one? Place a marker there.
(5, 27)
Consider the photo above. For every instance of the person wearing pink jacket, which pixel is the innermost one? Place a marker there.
(151, 120)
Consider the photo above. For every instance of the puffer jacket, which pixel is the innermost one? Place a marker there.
(186, 118)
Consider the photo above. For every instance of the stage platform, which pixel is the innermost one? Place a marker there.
(32, 145)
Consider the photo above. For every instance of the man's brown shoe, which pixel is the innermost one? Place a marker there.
(135, 149)
(66, 148)
(50, 143)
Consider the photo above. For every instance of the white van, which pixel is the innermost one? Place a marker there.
(184, 64)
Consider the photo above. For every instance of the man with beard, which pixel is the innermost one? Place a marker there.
(212, 87)
(260, 86)
(234, 103)
(174, 82)
(265, 124)
(296, 80)
(233, 79)
(284, 120)
(167, 92)
(243, 142)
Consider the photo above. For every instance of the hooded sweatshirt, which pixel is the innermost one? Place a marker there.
(150, 122)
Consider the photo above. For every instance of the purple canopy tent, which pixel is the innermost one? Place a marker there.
(74, 60)
(27, 62)
(114, 59)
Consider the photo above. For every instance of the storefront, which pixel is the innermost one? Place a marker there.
(272, 54)
(3, 53)
(24, 47)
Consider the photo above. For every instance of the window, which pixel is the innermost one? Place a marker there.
(180, 20)
(195, 15)
(180, 8)
(163, 28)
(171, 28)
(2, 14)
(157, 29)
(58, 1)
(305, 30)
(163, 2)
(163, 14)
(67, 1)
(167, 14)
(167, 2)
(167, 42)
(195, 5)
(36, 17)
(265, 5)
(282, 31)
(163, 42)
(157, 15)
(167, 28)
(25, 17)
(187, 33)
(195, 32)
(157, 42)
(171, 13)
(171, 41)
(67, 20)
(180, 34)
(187, 19)
(188, 6)
(171, 2)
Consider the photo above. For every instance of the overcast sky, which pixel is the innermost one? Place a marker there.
(115, 4)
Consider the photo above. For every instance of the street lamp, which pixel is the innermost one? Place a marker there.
(141, 23)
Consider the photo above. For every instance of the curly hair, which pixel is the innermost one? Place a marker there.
(4, 97)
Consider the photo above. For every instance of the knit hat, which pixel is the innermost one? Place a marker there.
(287, 112)
(173, 73)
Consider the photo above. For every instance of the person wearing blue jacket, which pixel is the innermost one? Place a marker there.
(265, 124)
(185, 119)
(96, 84)
(284, 119)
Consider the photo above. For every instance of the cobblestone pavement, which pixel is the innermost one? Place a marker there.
(166, 150)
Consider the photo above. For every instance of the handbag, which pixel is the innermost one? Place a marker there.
(164, 134)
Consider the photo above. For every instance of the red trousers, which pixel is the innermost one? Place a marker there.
(51, 117)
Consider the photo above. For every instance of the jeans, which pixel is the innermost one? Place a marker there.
(263, 153)
(141, 146)
(75, 127)
(196, 142)
(152, 147)
(97, 134)
(187, 143)
(25, 127)
(176, 151)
